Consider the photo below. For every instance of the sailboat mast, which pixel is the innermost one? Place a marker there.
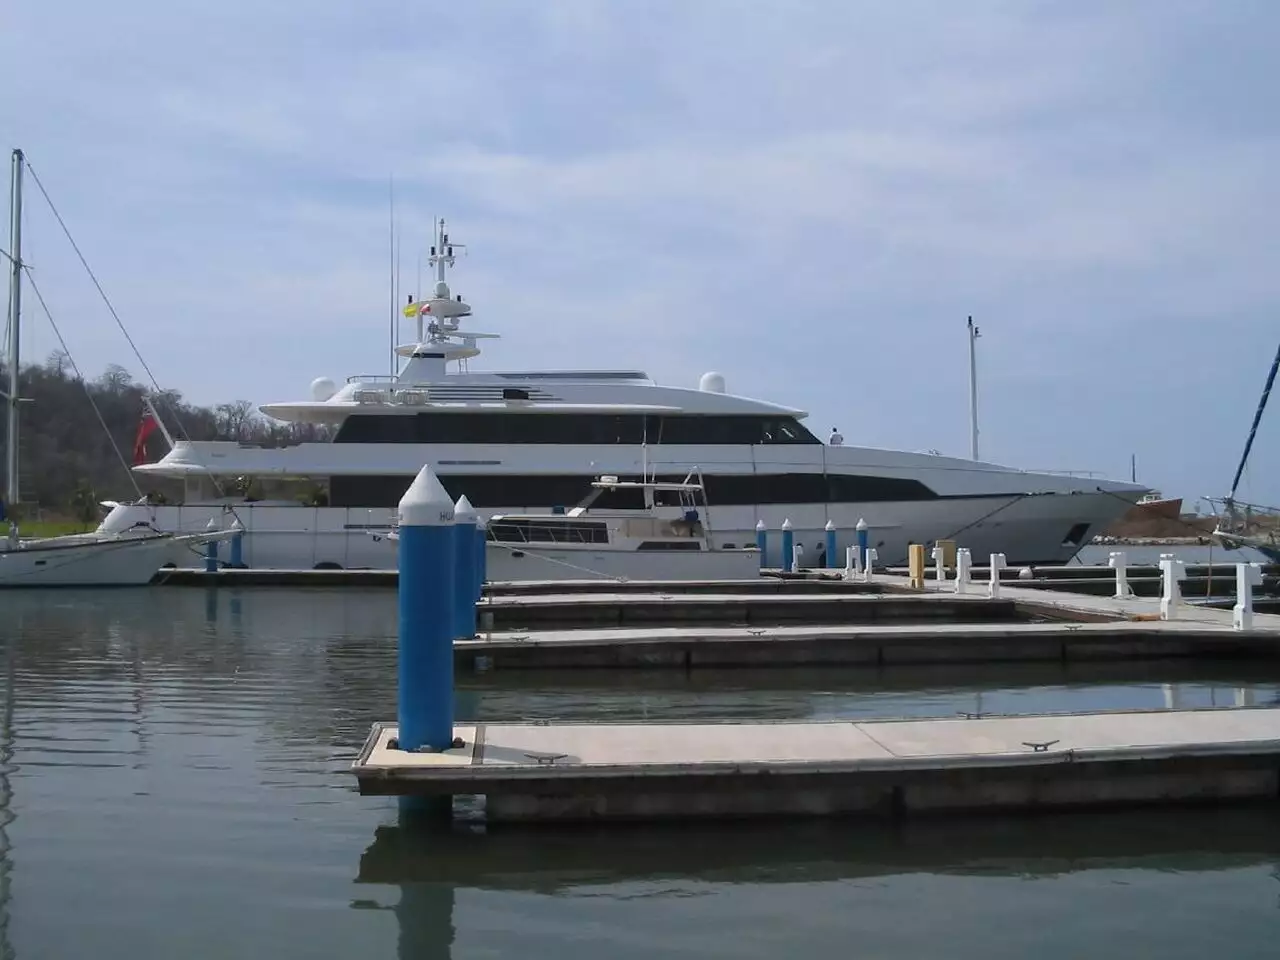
(1253, 430)
(15, 313)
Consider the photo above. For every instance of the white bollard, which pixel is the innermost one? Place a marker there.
(1172, 572)
(964, 564)
(872, 557)
(851, 565)
(997, 564)
(1248, 576)
(796, 553)
(940, 570)
(1118, 560)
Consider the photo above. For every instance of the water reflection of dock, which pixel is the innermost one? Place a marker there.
(431, 865)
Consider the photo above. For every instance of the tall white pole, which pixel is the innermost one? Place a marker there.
(391, 280)
(973, 390)
(15, 311)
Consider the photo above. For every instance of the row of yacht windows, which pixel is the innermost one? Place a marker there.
(539, 491)
(583, 428)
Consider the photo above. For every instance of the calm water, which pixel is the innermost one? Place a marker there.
(173, 783)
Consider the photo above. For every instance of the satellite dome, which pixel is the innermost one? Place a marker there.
(323, 389)
(711, 382)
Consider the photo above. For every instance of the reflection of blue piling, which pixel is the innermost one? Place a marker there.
(464, 577)
(237, 545)
(788, 547)
(831, 543)
(862, 542)
(426, 589)
(211, 549)
(762, 543)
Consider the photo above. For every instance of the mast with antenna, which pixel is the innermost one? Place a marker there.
(15, 312)
(391, 267)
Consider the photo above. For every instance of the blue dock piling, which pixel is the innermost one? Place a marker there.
(861, 528)
(211, 549)
(831, 544)
(788, 547)
(464, 578)
(237, 545)
(427, 598)
(762, 543)
(482, 560)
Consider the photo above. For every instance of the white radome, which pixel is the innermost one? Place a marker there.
(712, 382)
(323, 389)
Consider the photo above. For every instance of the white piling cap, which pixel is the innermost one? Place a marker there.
(426, 503)
(236, 525)
(786, 524)
(830, 527)
(760, 527)
(464, 512)
(862, 524)
(212, 524)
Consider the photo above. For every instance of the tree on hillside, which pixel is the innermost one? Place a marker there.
(68, 460)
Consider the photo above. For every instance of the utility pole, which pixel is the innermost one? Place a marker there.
(973, 390)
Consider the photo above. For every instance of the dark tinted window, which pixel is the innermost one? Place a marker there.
(583, 428)
(534, 531)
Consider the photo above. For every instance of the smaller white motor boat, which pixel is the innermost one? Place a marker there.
(667, 539)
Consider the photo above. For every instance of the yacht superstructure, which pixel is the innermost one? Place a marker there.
(534, 441)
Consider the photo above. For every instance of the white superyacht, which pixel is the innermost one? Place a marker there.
(535, 441)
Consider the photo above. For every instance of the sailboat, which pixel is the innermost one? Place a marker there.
(1249, 524)
(129, 558)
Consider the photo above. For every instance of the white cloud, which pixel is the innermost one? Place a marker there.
(807, 196)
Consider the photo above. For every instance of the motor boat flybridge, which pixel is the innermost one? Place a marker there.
(124, 555)
(666, 538)
(534, 442)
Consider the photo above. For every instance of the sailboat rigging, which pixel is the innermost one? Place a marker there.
(1249, 524)
(129, 558)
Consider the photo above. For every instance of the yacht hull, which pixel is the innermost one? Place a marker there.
(125, 562)
(1042, 529)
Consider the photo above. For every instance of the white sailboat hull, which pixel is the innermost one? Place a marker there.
(123, 562)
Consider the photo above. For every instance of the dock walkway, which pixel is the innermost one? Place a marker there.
(545, 771)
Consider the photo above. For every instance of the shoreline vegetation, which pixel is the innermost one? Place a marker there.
(68, 463)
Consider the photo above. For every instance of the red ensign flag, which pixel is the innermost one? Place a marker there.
(146, 426)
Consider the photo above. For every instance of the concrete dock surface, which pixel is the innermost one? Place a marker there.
(873, 645)
(554, 771)
(900, 625)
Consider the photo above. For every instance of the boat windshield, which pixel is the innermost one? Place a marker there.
(547, 531)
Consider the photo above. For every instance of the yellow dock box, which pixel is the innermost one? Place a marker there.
(948, 553)
(915, 565)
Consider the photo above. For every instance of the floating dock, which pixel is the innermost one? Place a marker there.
(608, 771)
(867, 645)
(896, 626)
(883, 768)
(1202, 581)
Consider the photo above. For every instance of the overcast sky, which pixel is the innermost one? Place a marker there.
(806, 197)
